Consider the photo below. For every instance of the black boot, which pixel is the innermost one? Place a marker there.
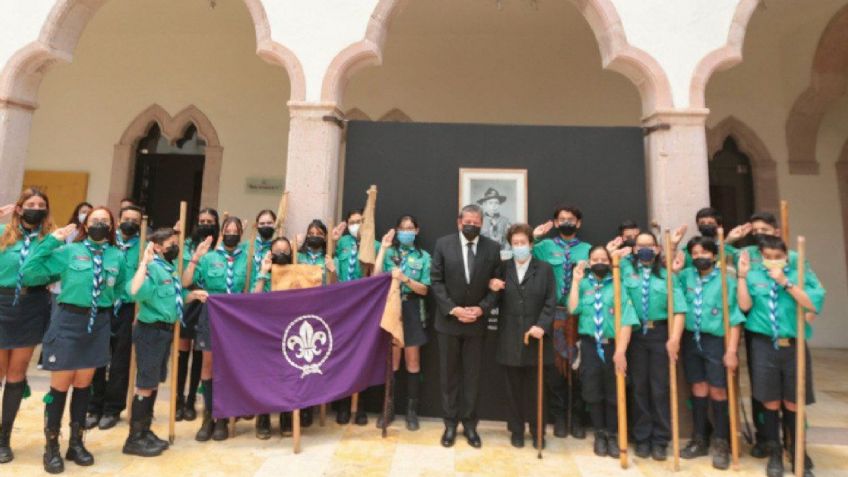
(12, 396)
(343, 414)
(53, 463)
(412, 415)
(285, 424)
(306, 417)
(189, 413)
(612, 446)
(601, 449)
(76, 447)
(205, 431)
(221, 432)
(721, 454)
(180, 414)
(137, 442)
(263, 427)
(774, 466)
(697, 447)
(561, 427)
(6, 454)
(577, 429)
(361, 418)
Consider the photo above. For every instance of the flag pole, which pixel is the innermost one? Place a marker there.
(801, 373)
(296, 430)
(672, 365)
(784, 221)
(621, 390)
(175, 347)
(141, 246)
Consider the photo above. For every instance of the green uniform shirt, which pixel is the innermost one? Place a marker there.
(10, 259)
(73, 263)
(157, 297)
(260, 248)
(131, 260)
(347, 252)
(586, 309)
(414, 263)
(712, 317)
(211, 271)
(759, 316)
(731, 252)
(548, 250)
(631, 278)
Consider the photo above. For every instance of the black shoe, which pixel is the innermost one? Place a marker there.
(472, 437)
(108, 421)
(808, 464)
(658, 452)
(643, 450)
(263, 427)
(412, 415)
(697, 447)
(76, 447)
(189, 414)
(721, 454)
(91, 421)
(577, 429)
(285, 424)
(155, 440)
(760, 450)
(205, 431)
(53, 463)
(138, 444)
(449, 436)
(361, 418)
(343, 415)
(612, 446)
(600, 447)
(774, 466)
(180, 414)
(306, 417)
(560, 426)
(6, 454)
(220, 431)
(517, 440)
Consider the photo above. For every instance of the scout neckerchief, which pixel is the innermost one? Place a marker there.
(27, 238)
(351, 260)
(231, 262)
(177, 286)
(646, 294)
(312, 257)
(598, 306)
(259, 251)
(698, 303)
(567, 266)
(124, 245)
(96, 251)
(772, 304)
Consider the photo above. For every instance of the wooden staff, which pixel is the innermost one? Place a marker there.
(248, 273)
(175, 347)
(672, 365)
(784, 221)
(282, 212)
(801, 362)
(296, 430)
(142, 244)
(540, 425)
(731, 381)
(620, 389)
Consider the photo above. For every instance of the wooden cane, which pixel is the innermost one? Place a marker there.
(296, 430)
(672, 365)
(620, 389)
(801, 362)
(784, 221)
(175, 347)
(142, 244)
(540, 426)
(282, 213)
(732, 399)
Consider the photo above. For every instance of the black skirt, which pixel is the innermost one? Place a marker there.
(413, 327)
(203, 336)
(191, 315)
(23, 325)
(69, 346)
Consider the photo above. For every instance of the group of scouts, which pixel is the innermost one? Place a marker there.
(98, 275)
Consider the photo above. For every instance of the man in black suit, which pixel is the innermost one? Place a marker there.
(462, 266)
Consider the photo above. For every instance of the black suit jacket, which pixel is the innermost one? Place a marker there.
(522, 305)
(447, 276)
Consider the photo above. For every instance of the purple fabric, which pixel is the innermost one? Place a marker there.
(343, 351)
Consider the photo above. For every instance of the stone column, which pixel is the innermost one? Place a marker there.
(312, 165)
(676, 166)
(15, 124)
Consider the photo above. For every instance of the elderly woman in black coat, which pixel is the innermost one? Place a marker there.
(527, 293)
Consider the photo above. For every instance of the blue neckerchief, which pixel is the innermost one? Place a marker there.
(567, 265)
(598, 306)
(97, 251)
(231, 261)
(645, 281)
(698, 303)
(27, 238)
(773, 289)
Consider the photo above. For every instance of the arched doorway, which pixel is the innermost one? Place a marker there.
(732, 184)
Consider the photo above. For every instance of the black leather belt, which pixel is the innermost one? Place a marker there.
(83, 310)
(409, 296)
(651, 324)
(781, 342)
(24, 290)
(159, 325)
(603, 341)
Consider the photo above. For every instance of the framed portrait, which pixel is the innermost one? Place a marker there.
(502, 193)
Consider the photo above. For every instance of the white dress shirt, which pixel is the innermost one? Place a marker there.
(521, 268)
(464, 242)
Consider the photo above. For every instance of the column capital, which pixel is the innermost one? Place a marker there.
(18, 104)
(309, 108)
(688, 116)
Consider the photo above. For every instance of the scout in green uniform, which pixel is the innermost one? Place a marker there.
(708, 221)
(556, 243)
(24, 302)
(401, 254)
(705, 358)
(644, 281)
(160, 296)
(207, 226)
(592, 299)
(770, 295)
(279, 253)
(222, 270)
(265, 228)
(93, 272)
(109, 394)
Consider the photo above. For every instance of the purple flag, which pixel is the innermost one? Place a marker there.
(287, 350)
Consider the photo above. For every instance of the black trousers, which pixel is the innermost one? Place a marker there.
(648, 365)
(556, 385)
(460, 360)
(756, 406)
(109, 390)
(521, 386)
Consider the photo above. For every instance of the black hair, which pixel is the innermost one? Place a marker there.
(195, 234)
(773, 243)
(627, 225)
(315, 224)
(658, 258)
(133, 208)
(471, 209)
(127, 199)
(230, 220)
(601, 247)
(708, 212)
(266, 211)
(159, 236)
(75, 214)
(766, 217)
(350, 213)
(570, 209)
(400, 220)
(706, 243)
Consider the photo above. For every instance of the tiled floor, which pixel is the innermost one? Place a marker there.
(351, 450)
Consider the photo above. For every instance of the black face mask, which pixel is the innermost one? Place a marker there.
(98, 231)
(281, 258)
(567, 228)
(266, 232)
(314, 242)
(129, 228)
(231, 240)
(470, 232)
(600, 269)
(33, 216)
(708, 230)
(628, 243)
(171, 253)
(206, 230)
(703, 264)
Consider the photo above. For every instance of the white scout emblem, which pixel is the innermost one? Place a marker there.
(307, 343)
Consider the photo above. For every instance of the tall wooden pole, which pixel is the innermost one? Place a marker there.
(784, 222)
(620, 386)
(175, 347)
(732, 398)
(142, 244)
(801, 362)
(672, 365)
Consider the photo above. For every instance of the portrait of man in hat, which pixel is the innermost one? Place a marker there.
(495, 223)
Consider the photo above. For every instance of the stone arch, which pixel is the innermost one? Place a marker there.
(173, 128)
(764, 168)
(617, 54)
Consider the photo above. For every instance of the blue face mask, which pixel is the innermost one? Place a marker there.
(406, 237)
(646, 255)
(521, 253)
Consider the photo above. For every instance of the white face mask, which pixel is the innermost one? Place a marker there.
(354, 229)
(81, 217)
(521, 253)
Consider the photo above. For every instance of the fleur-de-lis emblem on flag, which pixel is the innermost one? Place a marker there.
(307, 343)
